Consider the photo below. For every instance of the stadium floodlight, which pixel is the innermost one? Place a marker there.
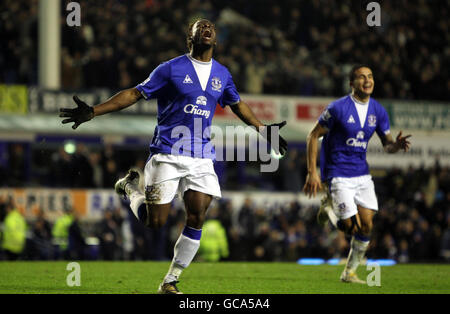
(70, 147)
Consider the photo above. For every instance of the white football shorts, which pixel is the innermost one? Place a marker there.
(348, 193)
(167, 176)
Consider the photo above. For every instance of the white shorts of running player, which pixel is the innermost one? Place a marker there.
(167, 176)
(348, 193)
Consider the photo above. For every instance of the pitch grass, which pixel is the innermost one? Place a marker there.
(217, 278)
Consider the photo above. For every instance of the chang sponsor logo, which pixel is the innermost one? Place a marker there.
(355, 143)
(194, 109)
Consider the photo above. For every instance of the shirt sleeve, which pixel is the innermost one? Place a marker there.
(328, 117)
(156, 82)
(230, 94)
(383, 126)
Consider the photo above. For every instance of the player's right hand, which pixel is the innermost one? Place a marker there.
(282, 144)
(313, 185)
(77, 115)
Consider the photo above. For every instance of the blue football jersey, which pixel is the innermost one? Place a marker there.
(185, 110)
(344, 147)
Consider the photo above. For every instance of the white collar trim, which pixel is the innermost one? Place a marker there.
(198, 61)
(359, 102)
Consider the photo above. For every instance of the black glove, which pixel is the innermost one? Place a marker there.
(282, 144)
(78, 115)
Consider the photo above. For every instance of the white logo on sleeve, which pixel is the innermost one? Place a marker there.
(325, 116)
(145, 82)
(187, 80)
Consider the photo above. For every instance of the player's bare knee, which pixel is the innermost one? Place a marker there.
(350, 231)
(347, 226)
(366, 228)
(195, 220)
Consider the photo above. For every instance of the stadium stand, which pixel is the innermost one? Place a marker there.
(277, 47)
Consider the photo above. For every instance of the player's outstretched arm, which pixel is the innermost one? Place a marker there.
(401, 143)
(243, 111)
(84, 112)
(313, 183)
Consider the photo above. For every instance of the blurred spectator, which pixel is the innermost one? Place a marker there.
(214, 243)
(97, 169)
(403, 253)
(3, 206)
(127, 239)
(247, 228)
(268, 244)
(292, 171)
(14, 232)
(17, 168)
(445, 242)
(387, 248)
(42, 237)
(411, 225)
(83, 172)
(77, 245)
(61, 169)
(60, 233)
(109, 236)
(110, 173)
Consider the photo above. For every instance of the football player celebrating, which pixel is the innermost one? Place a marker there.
(187, 89)
(347, 125)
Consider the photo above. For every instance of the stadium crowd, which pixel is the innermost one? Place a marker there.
(275, 47)
(413, 225)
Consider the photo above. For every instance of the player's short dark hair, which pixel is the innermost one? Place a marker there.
(356, 67)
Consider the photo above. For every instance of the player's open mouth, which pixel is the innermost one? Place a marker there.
(207, 34)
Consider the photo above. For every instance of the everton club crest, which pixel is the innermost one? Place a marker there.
(372, 119)
(216, 84)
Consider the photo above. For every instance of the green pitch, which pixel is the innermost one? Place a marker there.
(217, 278)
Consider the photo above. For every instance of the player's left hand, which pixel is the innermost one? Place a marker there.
(78, 115)
(312, 185)
(282, 144)
(401, 142)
